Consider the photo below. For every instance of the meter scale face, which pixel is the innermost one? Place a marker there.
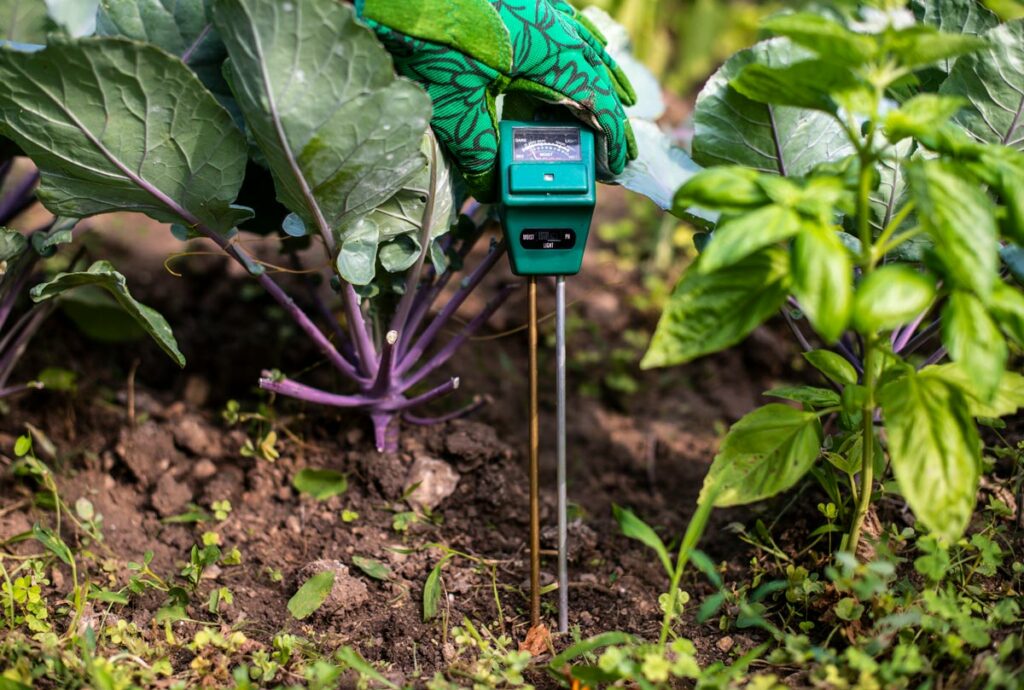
(546, 144)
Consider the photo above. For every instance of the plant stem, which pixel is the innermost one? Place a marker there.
(694, 531)
(867, 463)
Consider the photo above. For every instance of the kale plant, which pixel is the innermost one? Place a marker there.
(170, 109)
(867, 171)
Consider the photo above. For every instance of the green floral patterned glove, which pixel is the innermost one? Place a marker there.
(467, 52)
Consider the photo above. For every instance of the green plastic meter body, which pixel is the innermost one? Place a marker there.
(548, 193)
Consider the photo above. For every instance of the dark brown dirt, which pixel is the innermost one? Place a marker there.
(648, 451)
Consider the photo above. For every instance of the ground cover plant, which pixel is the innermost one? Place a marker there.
(860, 185)
(350, 158)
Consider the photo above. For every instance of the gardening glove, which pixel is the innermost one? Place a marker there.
(467, 52)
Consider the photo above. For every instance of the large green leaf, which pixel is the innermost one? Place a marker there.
(974, 341)
(732, 129)
(23, 21)
(890, 297)
(340, 132)
(743, 235)
(12, 244)
(993, 81)
(934, 449)
(766, 452)
(708, 312)
(311, 595)
(955, 16)
(181, 27)
(960, 218)
(892, 192)
(102, 274)
(823, 279)
(119, 126)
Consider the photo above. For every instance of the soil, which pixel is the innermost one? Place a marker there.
(142, 440)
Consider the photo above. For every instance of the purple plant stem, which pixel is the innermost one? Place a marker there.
(452, 346)
(300, 391)
(10, 296)
(5, 169)
(800, 337)
(900, 339)
(18, 198)
(385, 432)
(385, 372)
(935, 358)
(853, 359)
(13, 352)
(402, 404)
(416, 351)
(359, 332)
(477, 403)
(7, 391)
(922, 337)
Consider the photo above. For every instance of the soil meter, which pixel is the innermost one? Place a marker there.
(548, 194)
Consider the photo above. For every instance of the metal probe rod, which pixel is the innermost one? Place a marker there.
(534, 465)
(563, 516)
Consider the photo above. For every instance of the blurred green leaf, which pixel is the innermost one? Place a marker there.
(891, 296)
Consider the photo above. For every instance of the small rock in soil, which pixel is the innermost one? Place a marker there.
(194, 435)
(148, 450)
(436, 481)
(170, 496)
(204, 469)
(725, 644)
(348, 592)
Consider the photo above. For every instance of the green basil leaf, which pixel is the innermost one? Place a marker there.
(741, 236)
(725, 187)
(1007, 306)
(974, 341)
(829, 39)
(806, 84)
(834, 366)
(822, 279)
(1009, 396)
(815, 397)
(920, 45)
(961, 220)
(921, 115)
(102, 274)
(708, 312)
(934, 449)
(766, 452)
(890, 297)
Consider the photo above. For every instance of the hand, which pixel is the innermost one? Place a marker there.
(467, 52)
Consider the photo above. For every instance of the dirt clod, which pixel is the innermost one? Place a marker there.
(348, 592)
(148, 450)
(170, 496)
(434, 480)
(195, 436)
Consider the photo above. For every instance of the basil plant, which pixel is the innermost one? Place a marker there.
(866, 174)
